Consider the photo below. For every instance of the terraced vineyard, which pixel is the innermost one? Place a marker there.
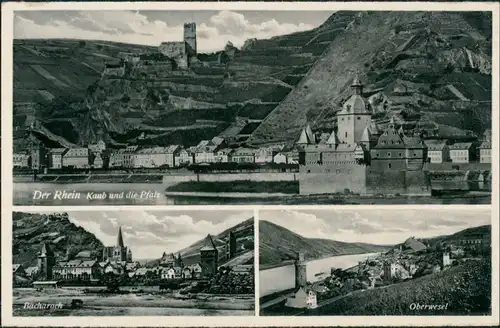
(427, 68)
(250, 86)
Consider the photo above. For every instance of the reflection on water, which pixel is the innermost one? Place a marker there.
(282, 278)
(23, 195)
(131, 311)
(461, 185)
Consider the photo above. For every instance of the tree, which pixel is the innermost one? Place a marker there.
(112, 282)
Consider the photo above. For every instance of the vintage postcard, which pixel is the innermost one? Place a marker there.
(375, 262)
(231, 164)
(189, 107)
(133, 263)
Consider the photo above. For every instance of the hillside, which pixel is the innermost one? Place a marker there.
(430, 69)
(474, 232)
(58, 85)
(30, 231)
(465, 288)
(244, 232)
(278, 244)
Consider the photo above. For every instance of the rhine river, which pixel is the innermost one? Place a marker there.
(282, 278)
(155, 195)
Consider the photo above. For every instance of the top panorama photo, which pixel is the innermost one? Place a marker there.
(252, 107)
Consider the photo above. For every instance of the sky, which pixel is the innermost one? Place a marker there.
(150, 233)
(214, 28)
(382, 227)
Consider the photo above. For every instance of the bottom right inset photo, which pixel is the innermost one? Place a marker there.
(430, 261)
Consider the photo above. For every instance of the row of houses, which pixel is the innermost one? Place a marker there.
(207, 151)
(56, 158)
(217, 151)
(439, 151)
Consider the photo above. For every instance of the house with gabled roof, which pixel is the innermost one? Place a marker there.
(461, 152)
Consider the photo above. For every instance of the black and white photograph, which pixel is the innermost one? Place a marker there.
(197, 107)
(375, 262)
(133, 263)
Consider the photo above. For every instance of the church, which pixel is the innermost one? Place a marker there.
(358, 158)
(119, 252)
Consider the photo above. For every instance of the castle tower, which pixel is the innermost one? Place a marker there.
(209, 257)
(389, 271)
(190, 35)
(300, 271)
(46, 262)
(178, 261)
(231, 246)
(355, 116)
(446, 259)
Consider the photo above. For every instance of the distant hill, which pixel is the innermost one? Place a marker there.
(30, 231)
(463, 234)
(430, 69)
(278, 244)
(244, 232)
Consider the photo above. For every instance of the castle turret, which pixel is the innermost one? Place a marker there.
(190, 35)
(300, 271)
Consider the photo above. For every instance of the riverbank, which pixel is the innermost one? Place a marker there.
(147, 301)
(191, 198)
(263, 267)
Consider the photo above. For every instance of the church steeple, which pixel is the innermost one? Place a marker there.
(357, 86)
(120, 237)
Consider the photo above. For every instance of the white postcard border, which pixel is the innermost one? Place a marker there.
(7, 208)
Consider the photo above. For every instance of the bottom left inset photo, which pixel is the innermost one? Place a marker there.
(133, 262)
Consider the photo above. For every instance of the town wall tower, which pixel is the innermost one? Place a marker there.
(300, 271)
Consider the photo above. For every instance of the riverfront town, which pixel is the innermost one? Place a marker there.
(378, 129)
(61, 264)
(453, 271)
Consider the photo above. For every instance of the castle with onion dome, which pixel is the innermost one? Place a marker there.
(358, 158)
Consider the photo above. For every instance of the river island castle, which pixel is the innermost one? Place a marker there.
(358, 159)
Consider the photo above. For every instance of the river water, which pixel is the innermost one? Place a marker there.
(282, 278)
(154, 194)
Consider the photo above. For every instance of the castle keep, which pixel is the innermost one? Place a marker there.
(182, 52)
(358, 158)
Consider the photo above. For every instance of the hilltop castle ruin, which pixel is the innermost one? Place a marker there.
(182, 52)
